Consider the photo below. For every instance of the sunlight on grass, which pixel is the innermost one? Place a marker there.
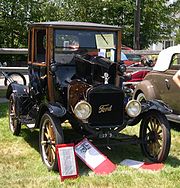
(21, 164)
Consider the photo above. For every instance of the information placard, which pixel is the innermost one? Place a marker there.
(66, 161)
(93, 158)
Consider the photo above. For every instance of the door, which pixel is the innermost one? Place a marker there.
(37, 60)
(170, 93)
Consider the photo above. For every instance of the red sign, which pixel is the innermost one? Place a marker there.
(66, 161)
(142, 165)
(93, 158)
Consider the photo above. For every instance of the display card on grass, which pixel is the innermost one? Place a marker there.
(66, 161)
(93, 158)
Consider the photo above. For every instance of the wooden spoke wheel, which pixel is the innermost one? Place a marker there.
(50, 135)
(155, 136)
(14, 124)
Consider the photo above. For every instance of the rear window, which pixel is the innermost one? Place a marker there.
(175, 62)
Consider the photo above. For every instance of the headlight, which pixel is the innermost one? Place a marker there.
(82, 110)
(133, 108)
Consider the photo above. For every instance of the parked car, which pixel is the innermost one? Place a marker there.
(126, 48)
(79, 86)
(158, 84)
(133, 79)
(133, 60)
(130, 59)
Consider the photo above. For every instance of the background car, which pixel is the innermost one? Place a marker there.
(158, 84)
(133, 60)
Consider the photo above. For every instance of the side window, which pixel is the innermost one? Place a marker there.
(175, 62)
(65, 46)
(67, 42)
(40, 46)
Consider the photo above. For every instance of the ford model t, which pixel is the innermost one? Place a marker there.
(76, 76)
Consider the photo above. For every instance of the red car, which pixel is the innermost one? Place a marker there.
(131, 59)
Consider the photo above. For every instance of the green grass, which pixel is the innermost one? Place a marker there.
(21, 165)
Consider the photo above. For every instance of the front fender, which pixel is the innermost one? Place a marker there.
(147, 88)
(150, 106)
(156, 105)
(16, 88)
(56, 110)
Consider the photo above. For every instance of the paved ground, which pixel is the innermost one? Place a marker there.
(3, 100)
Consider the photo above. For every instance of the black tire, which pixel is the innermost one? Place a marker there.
(16, 76)
(14, 124)
(155, 136)
(50, 134)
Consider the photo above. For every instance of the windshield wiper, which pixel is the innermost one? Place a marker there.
(104, 38)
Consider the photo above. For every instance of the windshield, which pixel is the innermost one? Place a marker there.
(133, 57)
(67, 43)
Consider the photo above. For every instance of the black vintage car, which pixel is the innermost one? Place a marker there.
(76, 76)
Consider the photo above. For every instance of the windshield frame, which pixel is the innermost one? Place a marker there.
(79, 33)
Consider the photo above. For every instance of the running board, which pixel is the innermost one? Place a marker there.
(29, 122)
(31, 126)
(174, 117)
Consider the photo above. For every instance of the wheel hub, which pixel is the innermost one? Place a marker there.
(153, 136)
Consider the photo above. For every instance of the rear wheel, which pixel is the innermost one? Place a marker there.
(14, 124)
(50, 134)
(15, 76)
(155, 136)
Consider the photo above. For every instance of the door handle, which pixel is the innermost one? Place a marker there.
(167, 84)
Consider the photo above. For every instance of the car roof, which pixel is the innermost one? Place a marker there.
(65, 24)
(164, 58)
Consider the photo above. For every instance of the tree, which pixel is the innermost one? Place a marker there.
(157, 22)
(177, 37)
(157, 19)
(15, 17)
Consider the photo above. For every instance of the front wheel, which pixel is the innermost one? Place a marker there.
(14, 124)
(155, 136)
(50, 134)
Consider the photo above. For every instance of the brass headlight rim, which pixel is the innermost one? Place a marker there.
(127, 105)
(79, 103)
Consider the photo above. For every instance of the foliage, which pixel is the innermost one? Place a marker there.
(176, 14)
(15, 17)
(177, 38)
(157, 19)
